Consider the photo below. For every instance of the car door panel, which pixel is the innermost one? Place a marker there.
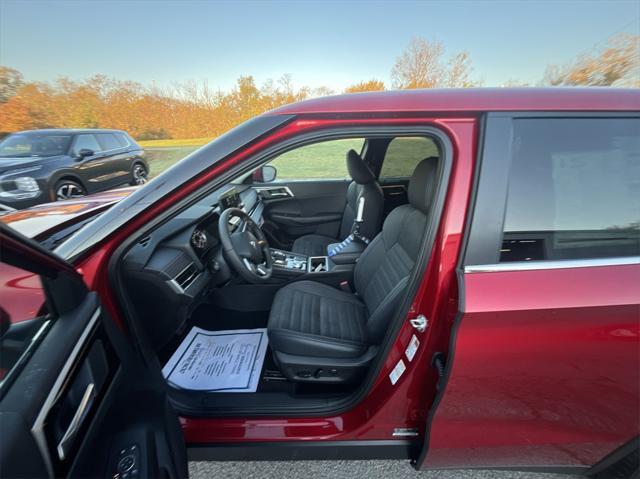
(118, 168)
(542, 368)
(312, 207)
(84, 393)
(542, 360)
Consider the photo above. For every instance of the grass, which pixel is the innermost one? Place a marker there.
(320, 160)
(173, 143)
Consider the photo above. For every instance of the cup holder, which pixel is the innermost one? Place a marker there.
(317, 264)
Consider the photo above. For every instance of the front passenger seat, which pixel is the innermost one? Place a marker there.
(322, 334)
(364, 185)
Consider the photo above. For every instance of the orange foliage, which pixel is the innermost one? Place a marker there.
(371, 85)
(617, 64)
(188, 110)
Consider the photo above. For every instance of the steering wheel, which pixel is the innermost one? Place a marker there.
(246, 249)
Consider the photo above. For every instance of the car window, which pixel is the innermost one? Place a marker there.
(574, 190)
(327, 159)
(23, 316)
(122, 140)
(403, 155)
(108, 141)
(86, 141)
(27, 145)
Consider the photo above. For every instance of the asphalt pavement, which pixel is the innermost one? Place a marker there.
(345, 470)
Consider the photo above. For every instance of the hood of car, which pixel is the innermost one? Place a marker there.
(8, 164)
(42, 220)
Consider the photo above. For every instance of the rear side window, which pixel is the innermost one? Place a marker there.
(86, 142)
(403, 155)
(108, 141)
(122, 139)
(574, 190)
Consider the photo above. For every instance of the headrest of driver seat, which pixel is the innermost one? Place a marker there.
(422, 184)
(358, 169)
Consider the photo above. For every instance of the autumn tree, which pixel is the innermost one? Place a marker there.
(190, 109)
(616, 64)
(371, 85)
(10, 81)
(423, 65)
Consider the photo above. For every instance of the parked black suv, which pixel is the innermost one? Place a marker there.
(39, 166)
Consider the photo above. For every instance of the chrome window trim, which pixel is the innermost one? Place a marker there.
(552, 264)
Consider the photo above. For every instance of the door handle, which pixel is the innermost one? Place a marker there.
(74, 426)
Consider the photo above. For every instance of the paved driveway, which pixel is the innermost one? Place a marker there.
(344, 470)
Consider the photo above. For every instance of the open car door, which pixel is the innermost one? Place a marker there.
(77, 397)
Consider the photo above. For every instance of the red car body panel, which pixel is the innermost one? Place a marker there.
(545, 362)
(545, 369)
(455, 101)
(24, 290)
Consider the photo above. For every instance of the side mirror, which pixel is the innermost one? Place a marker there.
(265, 174)
(84, 153)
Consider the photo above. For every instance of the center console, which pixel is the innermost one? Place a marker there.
(295, 266)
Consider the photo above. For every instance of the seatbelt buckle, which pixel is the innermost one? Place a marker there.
(344, 286)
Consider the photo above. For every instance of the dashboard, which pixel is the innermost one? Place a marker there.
(176, 265)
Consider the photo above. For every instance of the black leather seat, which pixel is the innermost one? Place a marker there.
(320, 333)
(364, 184)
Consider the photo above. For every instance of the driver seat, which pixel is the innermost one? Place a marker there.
(322, 334)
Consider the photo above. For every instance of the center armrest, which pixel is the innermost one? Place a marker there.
(348, 254)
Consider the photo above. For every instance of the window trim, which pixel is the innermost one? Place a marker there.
(552, 264)
(488, 208)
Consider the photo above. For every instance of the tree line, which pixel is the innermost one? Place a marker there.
(193, 109)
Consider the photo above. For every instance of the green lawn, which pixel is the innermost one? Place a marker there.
(321, 160)
(173, 143)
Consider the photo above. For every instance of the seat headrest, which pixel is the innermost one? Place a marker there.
(358, 169)
(422, 184)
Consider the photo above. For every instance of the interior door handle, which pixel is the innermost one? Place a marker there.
(74, 426)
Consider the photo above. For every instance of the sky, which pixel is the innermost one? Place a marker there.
(320, 43)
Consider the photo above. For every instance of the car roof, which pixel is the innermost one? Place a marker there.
(72, 130)
(472, 100)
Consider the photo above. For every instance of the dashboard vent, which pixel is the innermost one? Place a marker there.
(187, 276)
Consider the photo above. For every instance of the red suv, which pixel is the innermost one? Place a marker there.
(450, 277)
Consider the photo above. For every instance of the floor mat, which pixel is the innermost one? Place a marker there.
(218, 361)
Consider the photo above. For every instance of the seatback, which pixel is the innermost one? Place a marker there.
(364, 184)
(382, 272)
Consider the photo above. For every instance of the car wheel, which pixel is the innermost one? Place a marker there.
(67, 189)
(139, 174)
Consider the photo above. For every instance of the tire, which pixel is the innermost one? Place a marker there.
(66, 189)
(139, 174)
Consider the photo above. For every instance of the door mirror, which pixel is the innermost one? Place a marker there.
(265, 174)
(85, 152)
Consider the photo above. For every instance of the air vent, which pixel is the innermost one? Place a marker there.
(145, 241)
(187, 276)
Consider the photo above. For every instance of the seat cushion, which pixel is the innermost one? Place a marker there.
(313, 319)
(312, 245)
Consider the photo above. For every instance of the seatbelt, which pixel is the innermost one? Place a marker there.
(355, 231)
